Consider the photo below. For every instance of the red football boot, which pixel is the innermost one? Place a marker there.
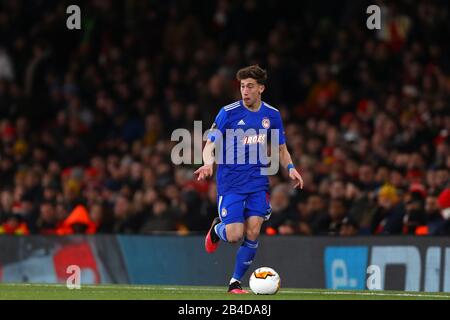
(212, 241)
(236, 288)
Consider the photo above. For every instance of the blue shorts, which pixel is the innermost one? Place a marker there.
(236, 207)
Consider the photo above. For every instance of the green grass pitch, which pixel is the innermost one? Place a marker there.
(168, 292)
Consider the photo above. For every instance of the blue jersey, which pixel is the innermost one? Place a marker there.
(243, 146)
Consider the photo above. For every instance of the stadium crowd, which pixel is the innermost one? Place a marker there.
(86, 115)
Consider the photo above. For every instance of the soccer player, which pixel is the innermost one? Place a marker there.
(242, 189)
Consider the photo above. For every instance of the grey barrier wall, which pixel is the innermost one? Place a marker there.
(45, 259)
(404, 263)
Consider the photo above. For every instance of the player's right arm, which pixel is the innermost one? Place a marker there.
(217, 131)
(207, 169)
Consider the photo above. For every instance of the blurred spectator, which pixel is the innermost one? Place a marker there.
(361, 207)
(310, 214)
(101, 217)
(14, 224)
(78, 222)
(444, 205)
(415, 215)
(434, 220)
(123, 219)
(6, 68)
(208, 209)
(388, 218)
(332, 222)
(47, 222)
(349, 227)
(282, 218)
(162, 218)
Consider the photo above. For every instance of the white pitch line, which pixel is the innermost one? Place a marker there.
(369, 294)
(323, 292)
(304, 292)
(288, 291)
(298, 292)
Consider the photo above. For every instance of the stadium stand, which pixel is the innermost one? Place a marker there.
(86, 116)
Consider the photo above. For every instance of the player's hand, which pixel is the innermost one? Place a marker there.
(204, 172)
(294, 175)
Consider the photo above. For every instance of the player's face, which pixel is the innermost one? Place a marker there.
(251, 91)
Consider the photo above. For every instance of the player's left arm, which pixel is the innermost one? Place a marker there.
(285, 156)
(286, 162)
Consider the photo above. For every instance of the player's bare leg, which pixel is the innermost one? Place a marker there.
(235, 232)
(253, 227)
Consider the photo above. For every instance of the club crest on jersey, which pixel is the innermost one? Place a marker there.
(224, 212)
(266, 123)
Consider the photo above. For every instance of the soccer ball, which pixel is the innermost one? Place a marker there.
(265, 280)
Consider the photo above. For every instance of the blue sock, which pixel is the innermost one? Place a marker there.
(221, 231)
(244, 258)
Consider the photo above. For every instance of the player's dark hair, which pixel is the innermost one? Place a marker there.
(253, 72)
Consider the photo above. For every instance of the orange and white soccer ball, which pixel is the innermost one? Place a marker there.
(265, 280)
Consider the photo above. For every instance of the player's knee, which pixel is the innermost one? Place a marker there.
(234, 237)
(252, 234)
